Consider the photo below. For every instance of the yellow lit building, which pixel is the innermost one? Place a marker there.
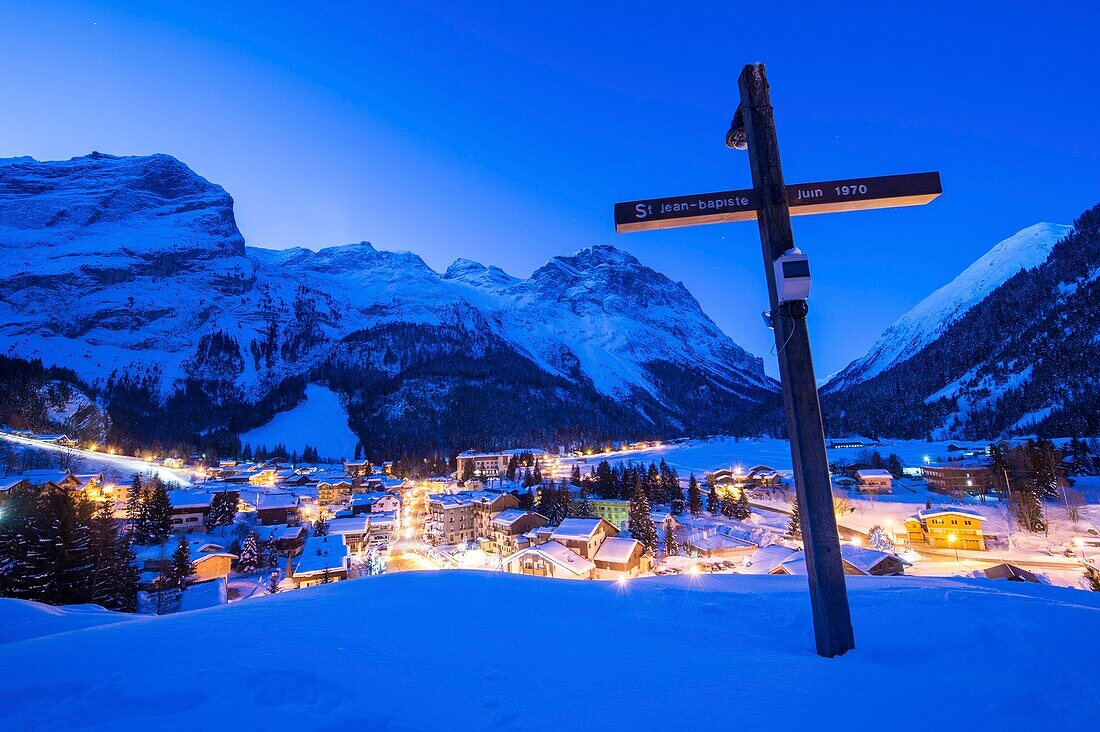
(947, 528)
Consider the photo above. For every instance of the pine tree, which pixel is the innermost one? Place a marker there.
(320, 527)
(133, 506)
(158, 514)
(575, 476)
(695, 496)
(714, 503)
(273, 583)
(249, 560)
(62, 556)
(605, 481)
(671, 547)
(223, 509)
(741, 509)
(893, 464)
(584, 507)
(641, 521)
(326, 576)
(728, 507)
(794, 528)
(180, 568)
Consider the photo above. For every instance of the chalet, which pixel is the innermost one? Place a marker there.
(1010, 572)
(947, 528)
(550, 560)
(51, 478)
(583, 535)
(719, 544)
(190, 509)
(874, 480)
(12, 484)
(365, 532)
(854, 559)
(852, 443)
(507, 528)
(961, 477)
(333, 490)
(209, 561)
(374, 502)
(276, 508)
(767, 559)
(621, 558)
(360, 469)
(323, 559)
(288, 540)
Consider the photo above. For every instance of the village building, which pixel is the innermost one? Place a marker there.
(718, 544)
(507, 530)
(492, 464)
(359, 468)
(190, 509)
(855, 560)
(947, 528)
(333, 490)
(288, 540)
(583, 535)
(365, 532)
(276, 508)
(550, 559)
(209, 561)
(874, 481)
(612, 510)
(375, 502)
(961, 477)
(1006, 571)
(621, 558)
(323, 558)
(454, 518)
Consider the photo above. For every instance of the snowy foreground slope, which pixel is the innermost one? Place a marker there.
(487, 651)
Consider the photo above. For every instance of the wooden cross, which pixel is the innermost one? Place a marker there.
(772, 203)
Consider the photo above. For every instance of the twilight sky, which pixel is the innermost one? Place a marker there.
(506, 134)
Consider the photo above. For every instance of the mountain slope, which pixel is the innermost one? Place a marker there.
(131, 272)
(1020, 359)
(929, 318)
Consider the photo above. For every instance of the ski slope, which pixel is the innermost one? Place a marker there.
(320, 421)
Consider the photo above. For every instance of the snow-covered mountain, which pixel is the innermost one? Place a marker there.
(134, 266)
(1009, 347)
(1023, 250)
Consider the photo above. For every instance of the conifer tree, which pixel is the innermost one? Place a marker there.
(113, 577)
(695, 496)
(605, 481)
(273, 583)
(671, 547)
(180, 568)
(158, 514)
(326, 576)
(583, 508)
(320, 527)
(575, 476)
(249, 559)
(714, 503)
(729, 509)
(741, 509)
(62, 557)
(641, 521)
(133, 506)
(794, 528)
(877, 539)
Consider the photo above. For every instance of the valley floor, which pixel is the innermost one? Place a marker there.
(487, 651)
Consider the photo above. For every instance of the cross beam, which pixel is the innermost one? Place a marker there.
(772, 203)
(850, 194)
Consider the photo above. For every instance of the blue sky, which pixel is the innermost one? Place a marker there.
(505, 134)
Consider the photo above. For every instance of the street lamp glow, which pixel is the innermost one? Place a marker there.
(927, 460)
(693, 569)
(857, 541)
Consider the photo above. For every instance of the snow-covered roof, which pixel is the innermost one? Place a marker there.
(190, 499)
(513, 451)
(577, 528)
(767, 558)
(272, 501)
(948, 510)
(719, 540)
(321, 553)
(349, 525)
(616, 549)
(560, 555)
(509, 516)
(864, 558)
(204, 594)
(873, 473)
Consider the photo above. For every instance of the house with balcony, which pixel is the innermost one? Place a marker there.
(949, 527)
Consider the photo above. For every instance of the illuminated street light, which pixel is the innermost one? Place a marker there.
(951, 542)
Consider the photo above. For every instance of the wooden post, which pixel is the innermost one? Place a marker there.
(828, 594)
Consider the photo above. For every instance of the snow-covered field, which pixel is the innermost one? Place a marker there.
(487, 651)
(320, 421)
(702, 456)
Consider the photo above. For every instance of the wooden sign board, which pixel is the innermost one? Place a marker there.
(854, 194)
